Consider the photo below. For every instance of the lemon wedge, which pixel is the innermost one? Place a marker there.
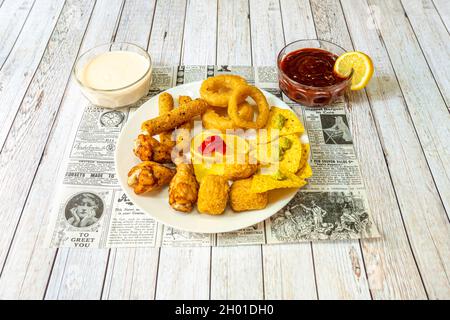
(360, 63)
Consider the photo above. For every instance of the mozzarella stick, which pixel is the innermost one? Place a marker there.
(175, 118)
(165, 104)
(184, 131)
(181, 101)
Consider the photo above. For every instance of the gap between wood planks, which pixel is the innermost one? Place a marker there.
(19, 22)
(48, 135)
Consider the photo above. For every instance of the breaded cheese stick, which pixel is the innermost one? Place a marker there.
(165, 104)
(175, 118)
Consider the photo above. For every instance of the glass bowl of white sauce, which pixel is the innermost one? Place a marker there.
(114, 75)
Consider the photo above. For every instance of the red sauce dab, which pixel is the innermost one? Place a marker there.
(213, 144)
(311, 67)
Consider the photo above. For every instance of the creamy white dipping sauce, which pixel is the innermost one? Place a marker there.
(116, 78)
(114, 70)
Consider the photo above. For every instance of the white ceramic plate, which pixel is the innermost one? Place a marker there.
(156, 204)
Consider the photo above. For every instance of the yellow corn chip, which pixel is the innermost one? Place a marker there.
(291, 125)
(263, 183)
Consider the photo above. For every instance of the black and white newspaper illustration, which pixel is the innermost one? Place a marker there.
(91, 210)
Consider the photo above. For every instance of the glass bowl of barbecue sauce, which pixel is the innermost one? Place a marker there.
(305, 72)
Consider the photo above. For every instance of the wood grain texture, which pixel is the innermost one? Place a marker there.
(184, 273)
(233, 33)
(428, 111)
(28, 135)
(131, 274)
(29, 265)
(236, 273)
(167, 32)
(423, 214)
(434, 41)
(23, 60)
(77, 276)
(112, 279)
(443, 8)
(13, 16)
(289, 272)
(388, 274)
(267, 40)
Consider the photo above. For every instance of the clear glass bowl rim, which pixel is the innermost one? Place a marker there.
(145, 54)
(346, 81)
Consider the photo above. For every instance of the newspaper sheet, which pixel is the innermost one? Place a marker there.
(92, 211)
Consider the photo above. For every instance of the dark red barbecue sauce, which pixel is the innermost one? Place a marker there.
(311, 67)
(306, 76)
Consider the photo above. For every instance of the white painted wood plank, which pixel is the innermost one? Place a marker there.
(423, 214)
(18, 70)
(233, 33)
(289, 272)
(131, 274)
(338, 262)
(390, 265)
(236, 272)
(165, 50)
(434, 41)
(29, 132)
(443, 8)
(284, 277)
(344, 285)
(167, 32)
(77, 276)
(134, 25)
(29, 263)
(266, 31)
(184, 273)
(425, 103)
(13, 16)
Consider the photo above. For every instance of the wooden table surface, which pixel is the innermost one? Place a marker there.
(400, 125)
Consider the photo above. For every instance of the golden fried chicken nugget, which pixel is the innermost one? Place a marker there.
(148, 176)
(213, 195)
(241, 199)
(148, 148)
(183, 189)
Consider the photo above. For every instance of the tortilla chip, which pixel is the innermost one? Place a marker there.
(292, 124)
(269, 153)
(263, 183)
(306, 148)
(305, 172)
(291, 159)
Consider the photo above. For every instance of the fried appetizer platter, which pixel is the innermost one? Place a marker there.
(198, 178)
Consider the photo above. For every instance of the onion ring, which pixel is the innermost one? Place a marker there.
(240, 94)
(212, 120)
(216, 91)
